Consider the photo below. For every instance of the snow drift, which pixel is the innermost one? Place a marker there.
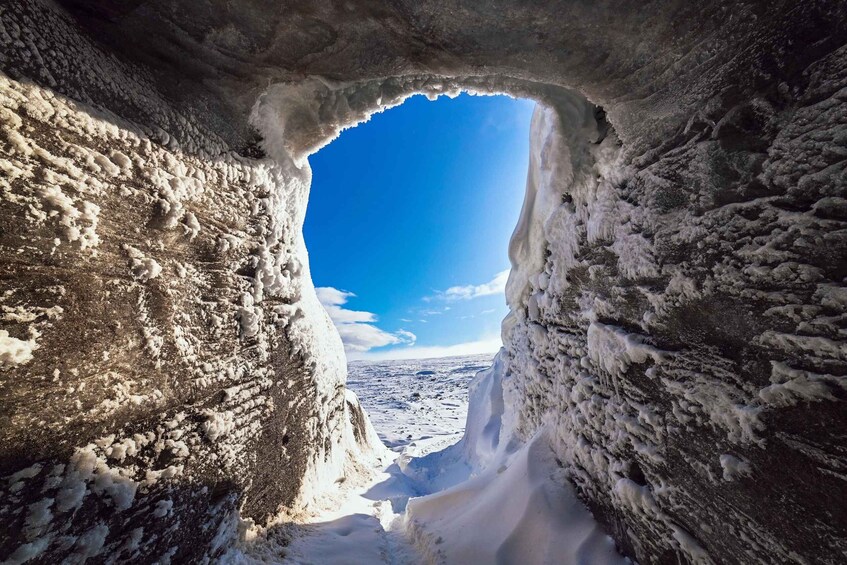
(515, 505)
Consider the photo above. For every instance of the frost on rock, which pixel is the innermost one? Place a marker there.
(677, 289)
(178, 379)
(143, 268)
(733, 467)
(658, 337)
(14, 351)
(653, 355)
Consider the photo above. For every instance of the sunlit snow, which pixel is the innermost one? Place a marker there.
(504, 498)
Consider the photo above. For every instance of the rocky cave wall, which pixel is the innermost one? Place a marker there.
(167, 370)
(677, 291)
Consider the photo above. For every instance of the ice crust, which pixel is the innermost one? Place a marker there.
(150, 275)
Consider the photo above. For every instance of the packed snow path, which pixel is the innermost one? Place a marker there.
(417, 407)
(459, 479)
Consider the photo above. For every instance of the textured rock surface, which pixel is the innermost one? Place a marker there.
(678, 275)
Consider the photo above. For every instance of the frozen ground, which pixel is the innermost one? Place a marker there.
(479, 496)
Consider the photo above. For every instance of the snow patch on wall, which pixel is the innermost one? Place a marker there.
(14, 351)
(733, 467)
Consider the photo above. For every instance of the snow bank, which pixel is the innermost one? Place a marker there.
(480, 443)
(517, 508)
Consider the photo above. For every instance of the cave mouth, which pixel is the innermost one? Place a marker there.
(418, 409)
(408, 225)
(435, 440)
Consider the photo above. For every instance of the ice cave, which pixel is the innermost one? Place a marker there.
(671, 385)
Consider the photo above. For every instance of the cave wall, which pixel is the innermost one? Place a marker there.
(677, 291)
(678, 324)
(167, 370)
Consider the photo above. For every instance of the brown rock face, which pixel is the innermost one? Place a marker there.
(678, 290)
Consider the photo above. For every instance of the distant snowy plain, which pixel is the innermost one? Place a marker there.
(416, 406)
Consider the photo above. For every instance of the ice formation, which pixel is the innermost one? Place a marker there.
(676, 338)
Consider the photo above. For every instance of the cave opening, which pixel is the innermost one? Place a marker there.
(407, 227)
(436, 423)
(408, 224)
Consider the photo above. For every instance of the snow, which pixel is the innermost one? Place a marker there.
(345, 473)
(616, 250)
(250, 212)
(296, 120)
(163, 508)
(537, 520)
(14, 351)
(733, 467)
(90, 543)
(434, 501)
(690, 546)
(614, 349)
(28, 551)
(416, 402)
(143, 268)
(37, 517)
(217, 424)
(639, 498)
(791, 386)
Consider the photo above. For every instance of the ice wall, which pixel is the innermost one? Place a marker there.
(677, 294)
(677, 322)
(167, 373)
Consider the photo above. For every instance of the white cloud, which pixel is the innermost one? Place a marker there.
(496, 285)
(356, 327)
(333, 299)
(364, 337)
(408, 336)
(431, 312)
(485, 345)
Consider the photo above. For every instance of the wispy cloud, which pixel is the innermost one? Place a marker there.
(483, 313)
(496, 285)
(485, 345)
(333, 300)
(356, 327)
(408, 336)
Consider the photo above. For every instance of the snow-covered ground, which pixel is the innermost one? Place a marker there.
(417, 407)
(479, 497)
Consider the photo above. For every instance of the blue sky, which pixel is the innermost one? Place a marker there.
(409, 221)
